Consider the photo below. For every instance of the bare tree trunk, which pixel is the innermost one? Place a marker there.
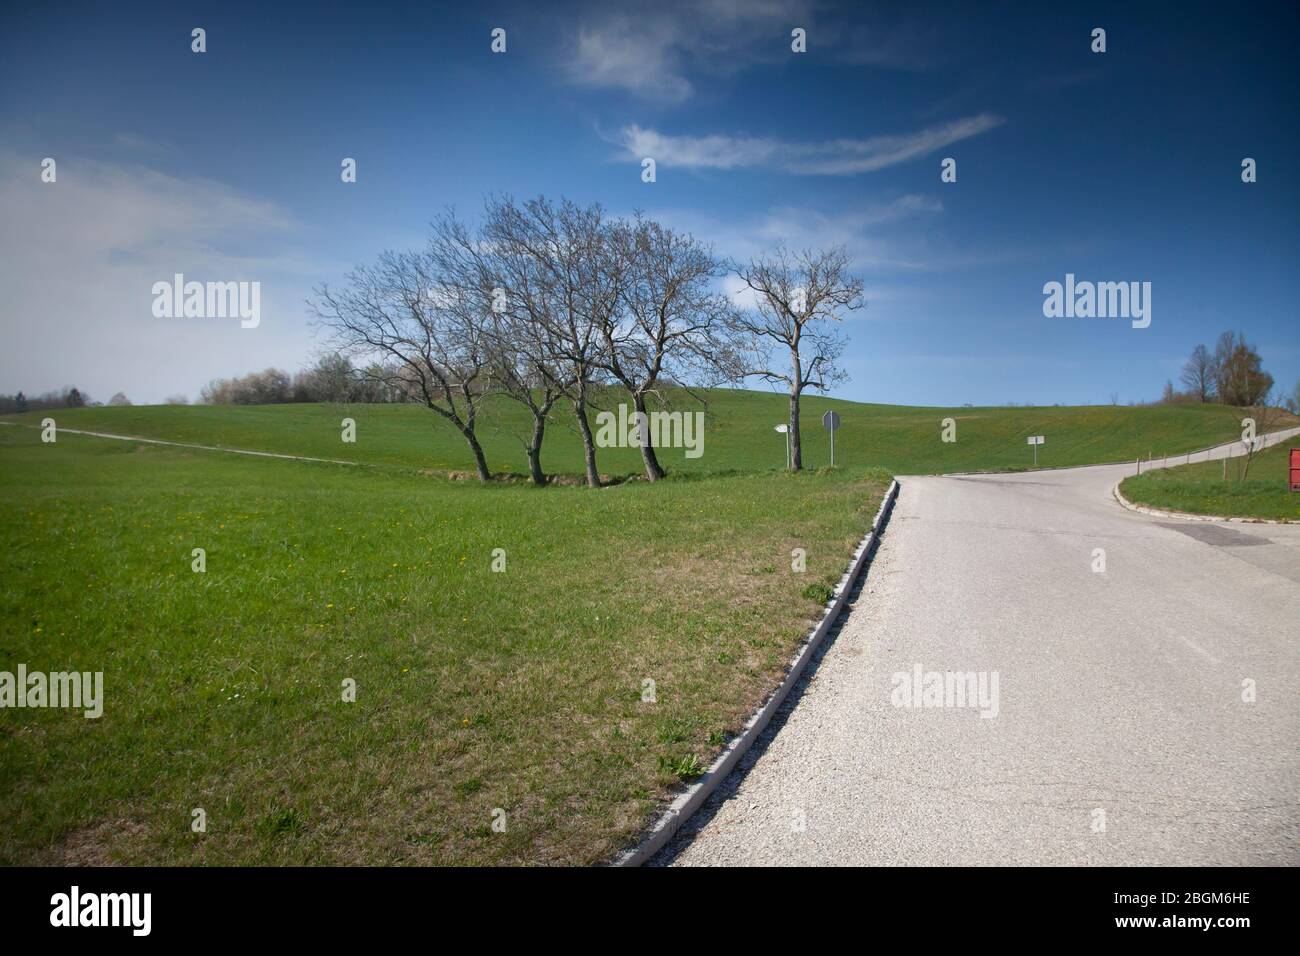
(1250, 456)
(534, 450)
(653, 470)
(796, 453)
(588, 443)
(480, 462)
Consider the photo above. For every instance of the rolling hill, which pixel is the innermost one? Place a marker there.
(738, 434)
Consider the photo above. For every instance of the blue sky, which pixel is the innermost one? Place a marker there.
(1122, 166)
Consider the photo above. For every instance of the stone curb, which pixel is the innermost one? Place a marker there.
(681, 809)
(1157, 513)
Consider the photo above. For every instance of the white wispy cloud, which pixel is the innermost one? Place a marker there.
(659, 54)
(78, 258)
(890, 241)
(643, 60)
(878, 235)
(652, 53)
(834, 157)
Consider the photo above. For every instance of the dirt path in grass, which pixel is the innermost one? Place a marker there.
(183, 444)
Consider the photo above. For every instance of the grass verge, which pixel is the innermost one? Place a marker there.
(1201, 488)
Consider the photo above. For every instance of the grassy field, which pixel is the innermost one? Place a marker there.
(476, 690)
(738, 434)
(1201, 489)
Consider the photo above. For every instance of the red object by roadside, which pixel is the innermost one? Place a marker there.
(1295, 469)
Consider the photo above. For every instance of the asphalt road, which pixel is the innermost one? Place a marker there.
(1118, 735)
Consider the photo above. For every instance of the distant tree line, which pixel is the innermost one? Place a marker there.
(66, 397)
(331, 379)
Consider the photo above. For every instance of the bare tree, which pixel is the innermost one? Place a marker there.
(1239, 377)
(531, 334)
(670, 323)
(421, 313)
(798, 298)
(1266, 414)
(331, 379)
(559, 281)
(267, 387)
(1223, 349)
(1198, 374)
(520, 371)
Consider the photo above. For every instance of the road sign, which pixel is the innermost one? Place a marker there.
(1295, 469)
(1035, 440)
(831, 421)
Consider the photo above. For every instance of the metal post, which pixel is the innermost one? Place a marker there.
(832, 448)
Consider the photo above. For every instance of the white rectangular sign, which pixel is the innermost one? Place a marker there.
(1035, 440)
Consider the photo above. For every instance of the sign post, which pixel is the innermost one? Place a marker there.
(1036, 440)
(785, 430)
(831, 421)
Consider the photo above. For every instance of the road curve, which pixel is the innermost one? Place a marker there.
(1123, 731)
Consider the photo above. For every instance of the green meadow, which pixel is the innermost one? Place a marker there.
(476, 691)
(514, 696)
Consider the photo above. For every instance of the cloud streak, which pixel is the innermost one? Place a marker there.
(652, 54)
(81, 255)
(835, 157)
(659, 54)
